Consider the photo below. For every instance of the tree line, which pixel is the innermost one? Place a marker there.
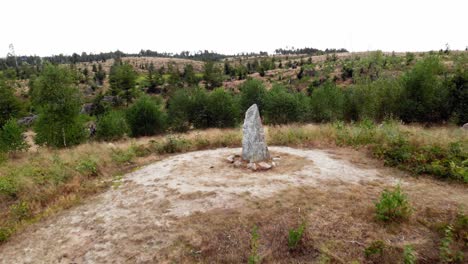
(425, 93)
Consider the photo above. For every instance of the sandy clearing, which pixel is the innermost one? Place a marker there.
(132, 222)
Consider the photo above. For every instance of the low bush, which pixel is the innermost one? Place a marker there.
(408, 255)
(375, 248)
(11, 137)
(253, 91)
(393, 205)
(20, 211)
(281, 106)
(123, 156)
(145, 117)
(10, 105)
(425, 93)
(5, 233)
(198, 111)
(111, 126)
(222, 109)
(88, 166)
(447, 253)
(326, 103)
(8, 186)
(172, 144)
(179, 110)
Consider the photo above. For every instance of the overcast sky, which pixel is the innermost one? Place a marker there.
(45, 27)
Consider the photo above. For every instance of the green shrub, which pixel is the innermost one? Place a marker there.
(460, 226)
(393, 205)
(122, 80)
(111, 126)
(425, 95)
(145, 117)
(57, 99)
(5, 233)
(281, 106)
(447, 253)
(326, 103)
(252, 92)
(295, 236)
(375, 248)
(172, 144)
(408, 255)
(20, 211)
(179, 110)
(395, 153)
(459, 92)
(362, 133)
(254, 258)
(222, 109)
(375, 100)
(11, 137)
(8, 186)
(123, 156)
(10, 105)
(88, 166)
(213, 75)
(198, 112)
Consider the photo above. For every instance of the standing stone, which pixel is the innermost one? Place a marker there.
(254, 147)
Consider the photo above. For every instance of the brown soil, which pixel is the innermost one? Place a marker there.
(196, 207)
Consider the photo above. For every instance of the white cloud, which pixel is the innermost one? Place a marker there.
(55, 26)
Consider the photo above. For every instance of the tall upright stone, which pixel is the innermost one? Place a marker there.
(254, 147)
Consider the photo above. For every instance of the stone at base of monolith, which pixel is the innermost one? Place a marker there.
(254, 147)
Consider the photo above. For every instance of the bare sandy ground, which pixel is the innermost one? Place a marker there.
(134, 220)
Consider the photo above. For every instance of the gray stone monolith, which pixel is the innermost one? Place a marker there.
(254, 147)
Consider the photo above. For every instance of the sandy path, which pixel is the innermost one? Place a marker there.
(131, 222)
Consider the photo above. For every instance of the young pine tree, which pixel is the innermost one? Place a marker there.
(11, 137)
(58, 101)
(122, 80)
(10, 106)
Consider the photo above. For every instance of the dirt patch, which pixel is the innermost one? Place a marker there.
(170, 210)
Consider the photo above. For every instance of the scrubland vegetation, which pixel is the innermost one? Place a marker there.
(402, 110)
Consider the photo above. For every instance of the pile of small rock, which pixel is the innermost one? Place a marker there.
(238, 162)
